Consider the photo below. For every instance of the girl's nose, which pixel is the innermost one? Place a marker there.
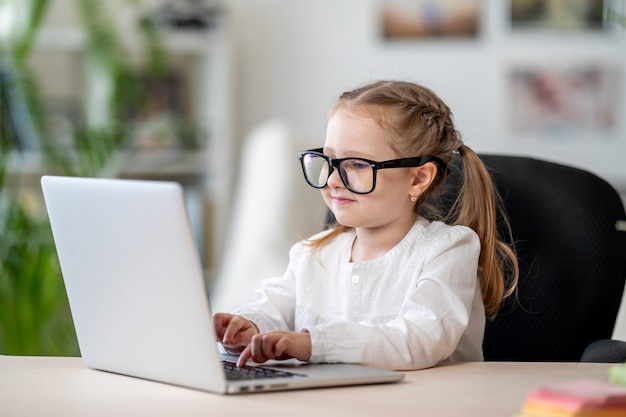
(334, 181)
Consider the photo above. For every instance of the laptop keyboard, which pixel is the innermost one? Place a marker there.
(234, 373)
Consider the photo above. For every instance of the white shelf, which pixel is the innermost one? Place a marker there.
(177, 41)
(164, 163)
(209, 169)
(137, 164)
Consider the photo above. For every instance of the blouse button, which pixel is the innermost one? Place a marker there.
(355, 279)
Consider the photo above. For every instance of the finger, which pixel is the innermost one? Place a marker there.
(244, 356)
(235, 325)
(267, 346)
(257, 348)
(218, 324)
(281, 347)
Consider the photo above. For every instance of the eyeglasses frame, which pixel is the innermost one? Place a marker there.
(333, 163)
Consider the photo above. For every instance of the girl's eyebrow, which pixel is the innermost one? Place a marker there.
(351, 154)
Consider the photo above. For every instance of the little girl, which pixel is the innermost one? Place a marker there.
(385, 286)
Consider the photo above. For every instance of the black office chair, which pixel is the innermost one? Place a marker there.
(572, 263)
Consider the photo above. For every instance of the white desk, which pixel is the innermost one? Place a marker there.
(38, 386)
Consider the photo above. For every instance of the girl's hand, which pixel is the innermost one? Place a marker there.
(235, 332)
(277, 345)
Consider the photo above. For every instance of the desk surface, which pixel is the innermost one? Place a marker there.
(36, 386)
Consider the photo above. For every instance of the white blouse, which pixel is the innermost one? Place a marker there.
(416, 306)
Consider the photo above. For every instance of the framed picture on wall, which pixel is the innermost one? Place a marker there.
(558, 15)
(564, 101)
(427, 19)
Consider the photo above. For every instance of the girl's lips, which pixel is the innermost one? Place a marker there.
(341, 200)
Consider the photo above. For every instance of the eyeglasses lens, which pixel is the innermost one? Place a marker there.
(357, 175)
(316, 170)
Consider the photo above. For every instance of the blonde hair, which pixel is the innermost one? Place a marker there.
(419, 123)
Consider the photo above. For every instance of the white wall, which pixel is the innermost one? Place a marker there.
(295, 56)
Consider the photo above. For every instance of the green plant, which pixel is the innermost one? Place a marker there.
(34, 315)
(34, 312)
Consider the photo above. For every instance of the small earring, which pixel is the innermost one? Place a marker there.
(413, 198)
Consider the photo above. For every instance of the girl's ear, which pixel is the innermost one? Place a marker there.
(423, 177)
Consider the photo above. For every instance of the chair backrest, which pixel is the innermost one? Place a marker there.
(572, 259)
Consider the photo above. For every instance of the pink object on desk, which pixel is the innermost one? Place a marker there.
(584, 397)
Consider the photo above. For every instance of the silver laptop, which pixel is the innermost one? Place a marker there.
(138, 296)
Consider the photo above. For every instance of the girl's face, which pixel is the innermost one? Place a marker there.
(352, 135)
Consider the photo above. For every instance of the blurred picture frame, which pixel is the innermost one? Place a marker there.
(558, 15)
(429, 19)
(564, 101)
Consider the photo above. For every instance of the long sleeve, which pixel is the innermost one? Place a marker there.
(274, 305)
(416, 306)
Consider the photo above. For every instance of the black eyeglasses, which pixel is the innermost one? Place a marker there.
(357, 174)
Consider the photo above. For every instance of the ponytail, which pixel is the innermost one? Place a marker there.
(477, 207)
